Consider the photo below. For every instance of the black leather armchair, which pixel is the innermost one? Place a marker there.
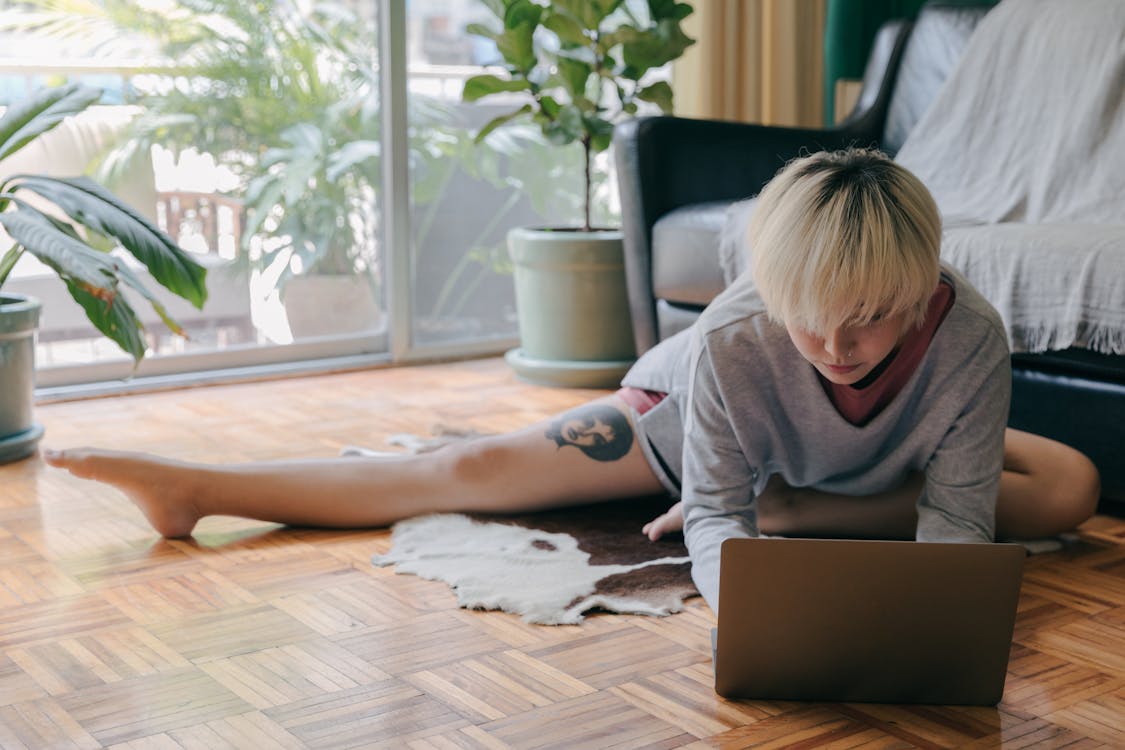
(678, 176)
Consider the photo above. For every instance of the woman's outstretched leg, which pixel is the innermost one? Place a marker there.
(584, 455)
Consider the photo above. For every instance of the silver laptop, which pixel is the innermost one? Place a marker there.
(873, 621)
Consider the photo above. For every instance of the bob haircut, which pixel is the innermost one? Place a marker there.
(839, 238)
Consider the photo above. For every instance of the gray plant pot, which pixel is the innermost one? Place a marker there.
(574, 322)
(19, 319)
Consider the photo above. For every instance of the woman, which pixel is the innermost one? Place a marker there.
(848, 385)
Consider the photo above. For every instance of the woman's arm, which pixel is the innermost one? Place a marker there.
(718, 481)
(958, 500)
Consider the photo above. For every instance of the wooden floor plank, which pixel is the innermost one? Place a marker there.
(386, 714)
(688, 703)
(167, 701)
(595, 721)
(252, 635)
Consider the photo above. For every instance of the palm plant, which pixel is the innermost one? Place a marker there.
(285, 98)
(315, 191)
(74, 226)
(283, 94)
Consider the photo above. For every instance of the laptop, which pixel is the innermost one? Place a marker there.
(866, 621)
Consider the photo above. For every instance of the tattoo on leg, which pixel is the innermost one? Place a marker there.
(600, 431)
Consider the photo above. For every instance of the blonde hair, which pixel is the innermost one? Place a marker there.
(840, 237)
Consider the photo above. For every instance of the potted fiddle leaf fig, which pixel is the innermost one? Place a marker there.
(575, 68)
(87, 236)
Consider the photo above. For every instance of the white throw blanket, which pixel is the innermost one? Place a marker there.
(1024, 151)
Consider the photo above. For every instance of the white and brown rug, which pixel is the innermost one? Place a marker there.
(550, 567)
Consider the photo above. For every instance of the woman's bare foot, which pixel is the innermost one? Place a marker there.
(162, 489)
(672, 520)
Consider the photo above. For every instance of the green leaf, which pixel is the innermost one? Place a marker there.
(68, 256)
(486, 85)
(623, 34)
(498, 121)
(27, 120)
(262, 194)
(134, 282)
(661, 9)
(549, 106)
(8, 262)
(516, 43)
(307, 146)
(95, 207)
(299, 177)
(522, 13)
(664, 43)
(517, 48)
(90, 276)
(574, 74)
(601, 133)
(479, 29)
(115, 318)
(567, 28)
(659, 93)
(590, 13)
(568, 127)
(349, 155)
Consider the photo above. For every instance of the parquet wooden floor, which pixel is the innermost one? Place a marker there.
(254, 636)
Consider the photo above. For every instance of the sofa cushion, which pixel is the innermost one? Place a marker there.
(685, 253)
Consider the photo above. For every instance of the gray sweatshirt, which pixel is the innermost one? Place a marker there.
(744, 405)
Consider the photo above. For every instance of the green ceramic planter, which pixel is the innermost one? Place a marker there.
(19, 319)
(574, 322)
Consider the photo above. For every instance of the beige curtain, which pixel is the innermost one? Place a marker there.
(753, 61)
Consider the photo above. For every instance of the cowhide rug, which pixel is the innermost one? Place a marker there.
(550, 567)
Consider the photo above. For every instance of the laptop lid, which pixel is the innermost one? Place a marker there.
(874, 621)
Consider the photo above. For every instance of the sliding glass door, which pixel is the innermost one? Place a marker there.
(315, 157)
(251, 133)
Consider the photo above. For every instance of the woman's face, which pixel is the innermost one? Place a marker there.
(848, 353)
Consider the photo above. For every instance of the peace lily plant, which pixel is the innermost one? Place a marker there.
(79, 229)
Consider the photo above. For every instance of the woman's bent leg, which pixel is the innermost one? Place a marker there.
(584, 455)
(1046, 488)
